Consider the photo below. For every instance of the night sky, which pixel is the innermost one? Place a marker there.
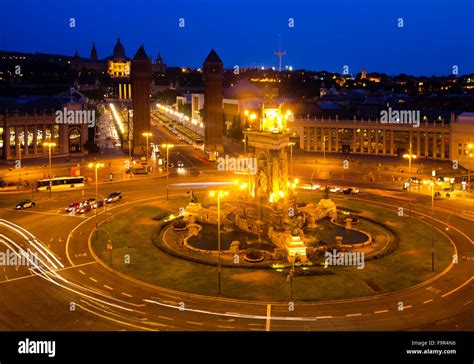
(327, 34)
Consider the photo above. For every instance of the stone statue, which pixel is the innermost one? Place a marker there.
(262, 182)
(193, 198)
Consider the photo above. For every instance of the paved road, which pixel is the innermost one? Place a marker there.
(104, 300)
(72, 290)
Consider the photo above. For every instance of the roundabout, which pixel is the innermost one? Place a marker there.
(118, 298)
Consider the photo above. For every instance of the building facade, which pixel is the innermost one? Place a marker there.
(439, 141)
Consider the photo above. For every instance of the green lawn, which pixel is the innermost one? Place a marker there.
(410, 264)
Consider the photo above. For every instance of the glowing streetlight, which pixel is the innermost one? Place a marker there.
(291, 156)
(409, 156)
(219, 195)
(49, 145)
(469, 154)
(167, 146)
(432, 186)
(96, 166)
(147, 135)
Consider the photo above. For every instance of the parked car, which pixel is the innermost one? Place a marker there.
(114, 197)
(24, 204)
(73, 206)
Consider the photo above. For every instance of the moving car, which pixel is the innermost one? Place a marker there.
(350, 191)
(180, 164)
(85, 208)
(24, 204)
(114, 197)
(73, 206)
(309, 186)
(91, 201)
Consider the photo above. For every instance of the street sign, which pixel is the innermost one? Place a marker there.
(17, 164)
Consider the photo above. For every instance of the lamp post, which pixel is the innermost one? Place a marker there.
(219, 195)
(291, 157)
(245, 145)
(167, 146)
(469, 155)
(409, 156)
(147, 135)
(96, 166)
(432, 184)
(129, 136)
(49, 145)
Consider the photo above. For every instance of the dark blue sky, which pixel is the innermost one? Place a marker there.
(327, 35)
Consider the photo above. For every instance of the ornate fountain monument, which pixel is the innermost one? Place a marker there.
(269, 208)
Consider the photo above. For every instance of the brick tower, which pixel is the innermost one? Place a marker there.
(213, 113)
(141, 78)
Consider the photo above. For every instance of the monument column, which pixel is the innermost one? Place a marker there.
(442, 147)
(6, 142)
(141, 79)
(427, 140)
(17, 143)
(354, 140)
(376, 141)
(35, 140)
(25, 140)
(213, 71)
(384, 142)
(391, 142)
(418, 145)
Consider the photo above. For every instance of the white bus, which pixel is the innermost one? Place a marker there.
(61, 183)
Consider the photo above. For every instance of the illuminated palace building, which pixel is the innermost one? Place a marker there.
(117, 67)
(439, 140)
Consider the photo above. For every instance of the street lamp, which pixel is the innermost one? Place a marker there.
(219, 195)
(432, 185)
(245, 145)
(167, 146)
(49, 145)
(409, 156)
(147, 135)
(291, 157)
(469, 154)
(96, 166)
(129, 136)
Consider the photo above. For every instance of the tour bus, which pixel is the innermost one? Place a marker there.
(61, 183)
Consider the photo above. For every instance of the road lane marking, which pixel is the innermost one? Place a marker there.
(381, 311)
(458, 288)
(323, 317)
(405, 307)
(114, 320)
(353, 314)
(80, 271)
(93, 279)
(194, 323)
(428, 301)
(225, 327)
(468, 302)
(252, 329)
(126, 294)
(165, 318)
(108, 287)
(269, 315)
